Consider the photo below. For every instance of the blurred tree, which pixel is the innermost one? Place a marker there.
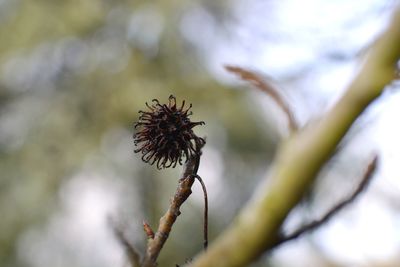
(72, 71)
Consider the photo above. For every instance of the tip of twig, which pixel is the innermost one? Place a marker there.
(373, 163)
(248, 76)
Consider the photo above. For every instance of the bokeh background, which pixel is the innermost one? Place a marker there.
(73, 75)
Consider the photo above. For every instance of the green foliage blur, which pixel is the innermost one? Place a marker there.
(73, 76)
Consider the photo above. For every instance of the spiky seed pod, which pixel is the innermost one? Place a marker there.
(165, 134)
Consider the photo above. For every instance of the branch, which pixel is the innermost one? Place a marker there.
(133, 255)
(298, 161)
(183, 191)
(312, 226)
(267, 88)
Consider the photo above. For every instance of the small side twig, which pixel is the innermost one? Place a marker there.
(183, 191)
(368, 174)
(267, 88)
(133, 255)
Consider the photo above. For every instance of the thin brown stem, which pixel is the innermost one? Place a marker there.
(267, 88)
(205, 226)
(312, 226)
(183, 191)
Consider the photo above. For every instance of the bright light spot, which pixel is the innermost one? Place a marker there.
(366, 234)
(145, 29)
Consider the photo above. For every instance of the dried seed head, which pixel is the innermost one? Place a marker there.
(165, 134)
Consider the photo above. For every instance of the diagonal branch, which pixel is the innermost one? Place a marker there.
(312, 226)
(267, 88)
(183, 191)
(133, 255)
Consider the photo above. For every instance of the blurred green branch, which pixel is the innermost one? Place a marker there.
(299, 160)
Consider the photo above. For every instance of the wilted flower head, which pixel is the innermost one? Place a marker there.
(165, 134)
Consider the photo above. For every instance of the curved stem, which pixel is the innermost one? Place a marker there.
(205, 227)
(267, 88)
